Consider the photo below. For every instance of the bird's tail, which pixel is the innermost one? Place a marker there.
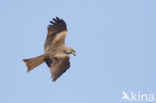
(34, 62)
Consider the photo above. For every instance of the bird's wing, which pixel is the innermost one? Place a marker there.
(57, 32)
(58, 66)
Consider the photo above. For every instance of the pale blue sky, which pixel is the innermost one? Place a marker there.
(115, 41)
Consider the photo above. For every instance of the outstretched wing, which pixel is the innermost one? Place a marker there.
(58, 66)
(57, 32)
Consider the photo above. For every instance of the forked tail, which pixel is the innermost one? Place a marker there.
(34, 62)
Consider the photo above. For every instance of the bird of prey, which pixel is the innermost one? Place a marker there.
(56, 53)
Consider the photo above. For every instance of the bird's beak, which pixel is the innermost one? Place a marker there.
(74, 53)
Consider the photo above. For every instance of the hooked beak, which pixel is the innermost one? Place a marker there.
(74, 53)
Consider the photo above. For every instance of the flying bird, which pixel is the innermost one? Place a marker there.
(56, 53)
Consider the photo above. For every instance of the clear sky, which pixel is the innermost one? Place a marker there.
(115, 41)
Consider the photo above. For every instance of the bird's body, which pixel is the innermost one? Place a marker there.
(55, 52)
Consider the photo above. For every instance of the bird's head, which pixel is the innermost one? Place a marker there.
(70, 51)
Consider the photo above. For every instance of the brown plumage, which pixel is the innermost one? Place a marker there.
(55, 52)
